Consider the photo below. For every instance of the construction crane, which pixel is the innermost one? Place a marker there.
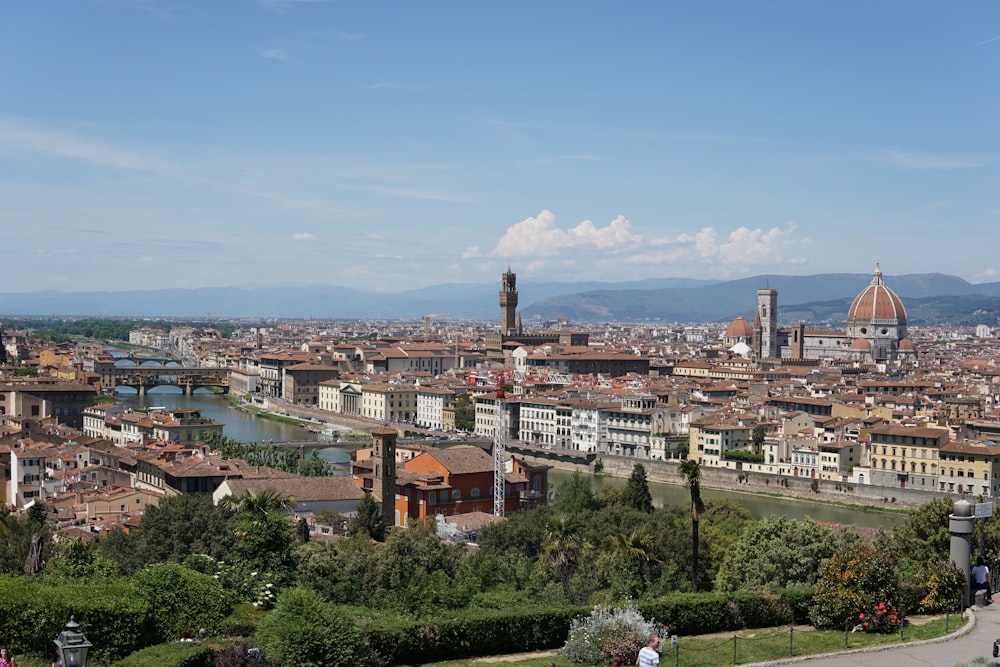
(500, 376)
(427, 322)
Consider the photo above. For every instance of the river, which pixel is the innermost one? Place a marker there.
(243, 426)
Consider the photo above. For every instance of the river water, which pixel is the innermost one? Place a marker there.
(248, 428)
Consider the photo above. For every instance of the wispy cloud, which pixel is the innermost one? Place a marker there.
(274, 53)
(906, 160)
(24, 135)
(987, 41)
(304, 236)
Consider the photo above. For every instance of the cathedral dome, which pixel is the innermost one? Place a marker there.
(739, 328)
(906, 345)
(876, 304)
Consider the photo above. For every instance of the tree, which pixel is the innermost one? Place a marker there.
(575, 495)
(563, 545)
(305, 631)
(183, 525)
(629, 556)
(857, 577)
(777, 553)
(465, 414)
(757, 438)
(636, 493)
(302, 531)
(262, 532)
(691, 470)
(367, 522)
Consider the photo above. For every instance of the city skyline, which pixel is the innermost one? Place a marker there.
(389, 146)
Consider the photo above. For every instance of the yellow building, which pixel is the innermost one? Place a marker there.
(970, 467)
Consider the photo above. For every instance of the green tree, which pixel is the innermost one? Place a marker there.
(629, 556)
(262, 533)
(575, 495)
(122, 549)
(924, 538)
(757, 438)
(563, 546)
(465, 413)
(636, 493)
(777, 553)
(79, 559)
(367, 522)
(183, 525)
(691, 470)
(302, 531)
(180, 598)
(303, 630)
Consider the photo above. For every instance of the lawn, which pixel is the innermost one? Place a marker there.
(759, 645)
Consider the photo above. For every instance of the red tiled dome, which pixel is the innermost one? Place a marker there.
(739, 328)
(861, 345)
(906, 345)
(877, 303)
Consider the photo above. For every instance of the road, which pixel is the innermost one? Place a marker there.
(970, 642)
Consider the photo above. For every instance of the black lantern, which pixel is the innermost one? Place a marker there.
(72, 646)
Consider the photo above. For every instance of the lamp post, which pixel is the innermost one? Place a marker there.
(72, 646)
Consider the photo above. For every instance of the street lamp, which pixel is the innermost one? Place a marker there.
(72, 646)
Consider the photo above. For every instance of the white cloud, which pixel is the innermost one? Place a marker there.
(303, 236)
(742, 248)
(471, 252)
(274, 53)
(539, 237)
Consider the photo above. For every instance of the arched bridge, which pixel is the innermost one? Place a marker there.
(144, 378)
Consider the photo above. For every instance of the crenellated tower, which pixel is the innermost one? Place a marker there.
(508, 304)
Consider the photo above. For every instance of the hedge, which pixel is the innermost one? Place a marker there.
(34, 611)
(469, 633)
(703, 613)
(174, 654)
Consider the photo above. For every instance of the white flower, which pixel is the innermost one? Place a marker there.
(253, 574)
(269, 585)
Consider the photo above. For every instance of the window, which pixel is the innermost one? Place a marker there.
(456, 494)
(474, 493)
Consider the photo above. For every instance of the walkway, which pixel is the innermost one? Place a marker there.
(970, 644)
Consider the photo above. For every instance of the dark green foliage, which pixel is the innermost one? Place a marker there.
(242, 622)
(924, 538)
(183, 525)
(122, 549)
(465, 413)
(60, 329)
(180, 598)
(78, 559)
(302, 531)
(777, 553)
(15, 542)
(172, 654)
(800, 599)
(367, 522)
(306, 631)
(702, 613)
(856, 577)
(38, 513)
(575, 495)
(743, 455)
(471, 633)
(33, 612)
(636, 493)
(933, 589)
(256, 454)
(242, 654)
(521, 534)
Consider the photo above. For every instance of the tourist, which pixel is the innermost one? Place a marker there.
(981, 579)
(6, 659)
(648, 656)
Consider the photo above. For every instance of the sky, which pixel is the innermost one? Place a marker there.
(150, 144)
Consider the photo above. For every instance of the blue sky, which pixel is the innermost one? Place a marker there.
(389, 145)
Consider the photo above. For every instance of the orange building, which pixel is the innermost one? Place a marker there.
(457, 480)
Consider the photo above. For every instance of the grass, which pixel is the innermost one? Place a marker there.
(759, 645)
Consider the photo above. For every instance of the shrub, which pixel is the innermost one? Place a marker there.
(305, 631)
(881, 618)
(172, 654)
(854, 579)
(936, 588)
(179, 598)
(605, 632)
(242, 654)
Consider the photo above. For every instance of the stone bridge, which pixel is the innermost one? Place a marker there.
(144, 378)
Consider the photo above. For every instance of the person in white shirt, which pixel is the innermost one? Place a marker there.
(648, 657)
(981, 579)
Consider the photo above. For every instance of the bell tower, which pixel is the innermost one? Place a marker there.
(767, 311)
(508, 303)
(384, 473)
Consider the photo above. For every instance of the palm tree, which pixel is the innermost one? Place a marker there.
(691, 470)
(258, 504)
(563, 546)
(634, 551)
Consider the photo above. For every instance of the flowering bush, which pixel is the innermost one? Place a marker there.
(606, 632)
(881, 619)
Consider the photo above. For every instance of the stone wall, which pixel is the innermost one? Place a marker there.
(761, 482)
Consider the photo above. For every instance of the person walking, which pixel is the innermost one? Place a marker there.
(648, 655)
(6, 659)
(981, 579)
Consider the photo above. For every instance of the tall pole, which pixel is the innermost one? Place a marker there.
(960, 525)
(499, 447)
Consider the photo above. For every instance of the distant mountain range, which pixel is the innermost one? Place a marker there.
(929, 298)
